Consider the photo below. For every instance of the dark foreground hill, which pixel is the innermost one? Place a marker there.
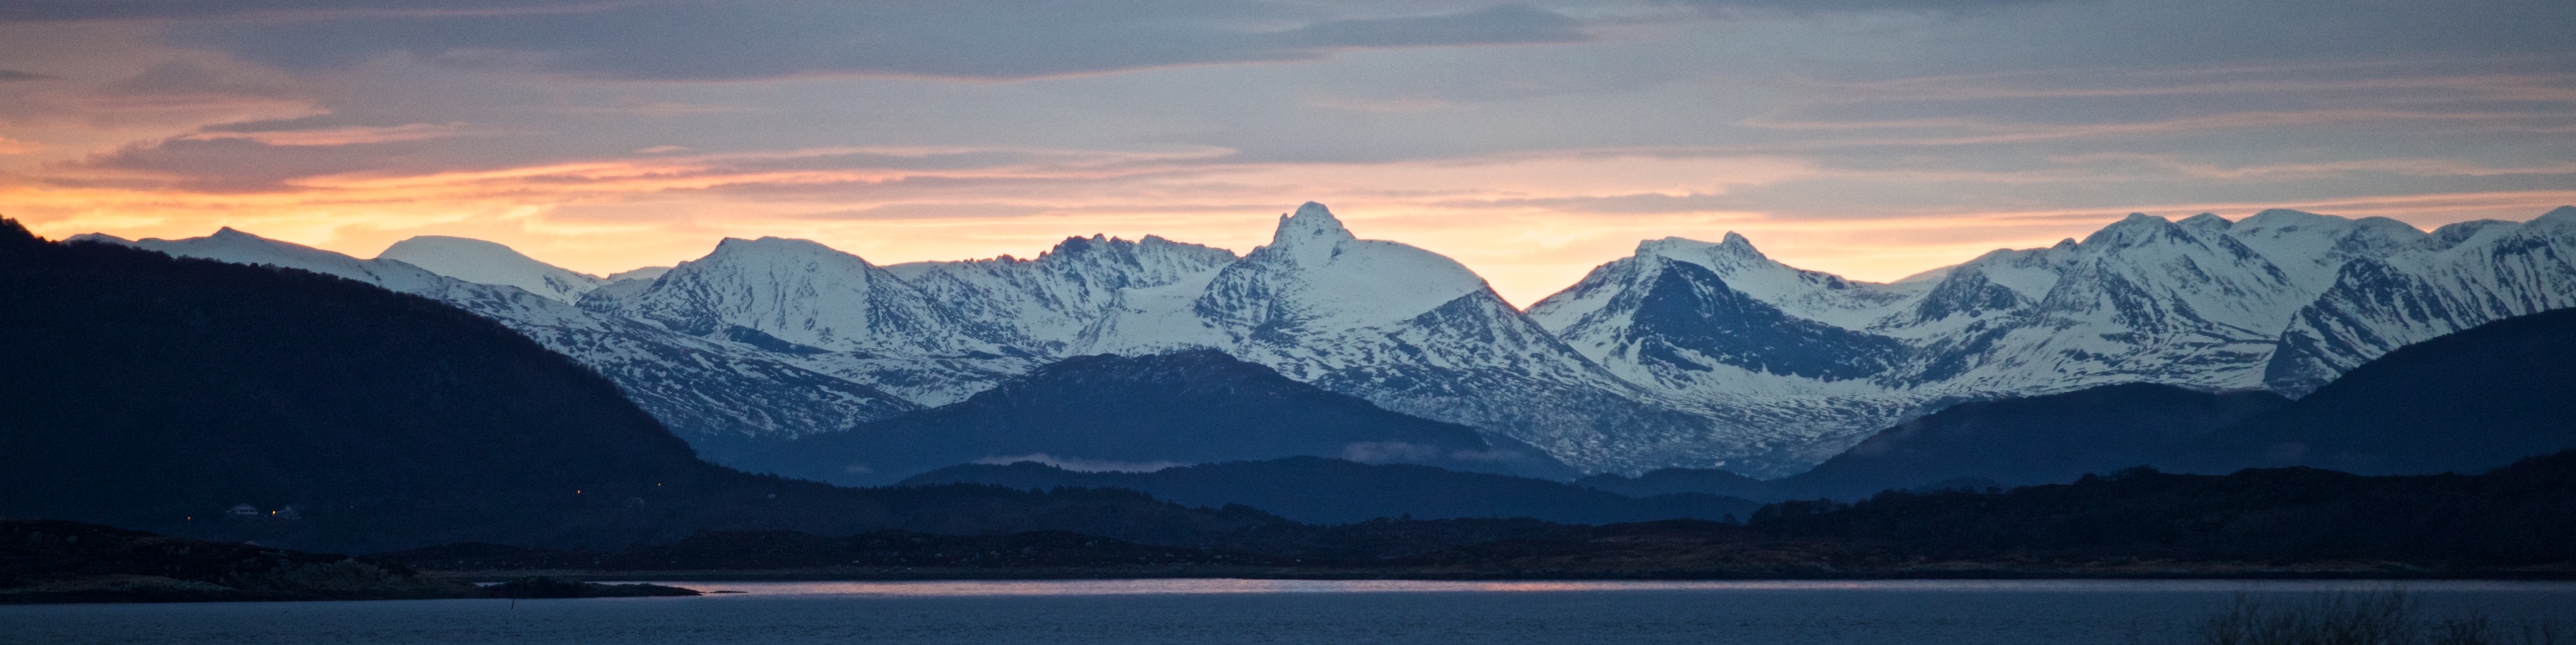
(203, 399)
(1334, 491)
(2465, 402)
(1180, 408)
(2010, 442)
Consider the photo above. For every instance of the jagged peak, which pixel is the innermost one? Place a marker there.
(1736, 242)
(1311, 223)
(1078, 244)
(1733, 244)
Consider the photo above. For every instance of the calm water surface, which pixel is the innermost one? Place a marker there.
(1270, 611)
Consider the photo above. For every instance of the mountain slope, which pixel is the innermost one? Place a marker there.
(1406, 329)
(1797, 365)
(154, 393)
(1147, 411)
(1334, 491)
(2474, 272)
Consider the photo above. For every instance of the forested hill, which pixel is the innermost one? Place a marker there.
(156, 393)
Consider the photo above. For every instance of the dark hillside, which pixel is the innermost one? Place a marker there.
(2033, 440)
(2465, 402)
(1179, 408)
(155, 393)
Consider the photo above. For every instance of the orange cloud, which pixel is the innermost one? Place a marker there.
(340, 136)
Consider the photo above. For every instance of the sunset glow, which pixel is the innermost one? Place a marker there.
(1530, 144)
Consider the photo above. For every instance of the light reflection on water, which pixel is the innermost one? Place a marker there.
(1317, 612)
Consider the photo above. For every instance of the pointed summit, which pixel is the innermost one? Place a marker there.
(1312, 223)
(1736, 242)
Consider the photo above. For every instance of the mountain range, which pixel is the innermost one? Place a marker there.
(226, 402)
(2464, 402)
(1685, 354)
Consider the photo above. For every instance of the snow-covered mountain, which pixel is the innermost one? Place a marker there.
(721, 396)
(484, 262)
(2202, 302)
(1406, 329)
(2457, 277)
(1686, 353)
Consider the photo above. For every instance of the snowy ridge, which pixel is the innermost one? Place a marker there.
(2463, 275)
(2200, 302)
(1686, 353)
(719, 395)
(1405, 328)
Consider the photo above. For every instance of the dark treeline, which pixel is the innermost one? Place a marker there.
(1332, 491)
(2516, 520)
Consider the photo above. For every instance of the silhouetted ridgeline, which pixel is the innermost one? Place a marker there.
(1179, 408)
(156, 393)
(1314, 489)
(2515, 521)
(2011, 442)
(2521, 514)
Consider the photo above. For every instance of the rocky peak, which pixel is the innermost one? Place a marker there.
(1312, 227)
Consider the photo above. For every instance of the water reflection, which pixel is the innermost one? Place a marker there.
(950, 588)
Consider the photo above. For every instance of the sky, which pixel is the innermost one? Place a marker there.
(1530, 141)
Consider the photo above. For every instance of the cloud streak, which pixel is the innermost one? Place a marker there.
(965, 39)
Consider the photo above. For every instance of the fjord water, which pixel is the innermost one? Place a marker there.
(1276, 611)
